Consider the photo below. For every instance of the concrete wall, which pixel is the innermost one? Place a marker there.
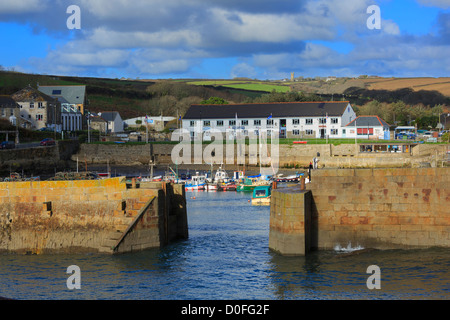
(374, 208)
(84, 216)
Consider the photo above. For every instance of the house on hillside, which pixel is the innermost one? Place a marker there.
(9, 109)
(367, 127)
(73, 95)
(73, 101)
(98, 123)
(287, 120)
(114, 122)
(38, 109)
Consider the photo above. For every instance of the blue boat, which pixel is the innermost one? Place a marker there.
(261, 196)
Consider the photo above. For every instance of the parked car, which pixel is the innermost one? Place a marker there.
(443, 132)
(427, 134)
(408, 135)
(48, 142)
(7, 145)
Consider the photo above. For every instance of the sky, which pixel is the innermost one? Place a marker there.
(224, 39)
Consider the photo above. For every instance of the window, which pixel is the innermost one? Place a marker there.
(220, 123)
(39, 117)
(334, 120)
(309, 121)
(40, 105)
(31, 105)
(192, 123)
(365, 131)
(257, 122)
(206, 123)
(323, 120)
(334, 132)
(343, 131)
(270, 122)
(295, 121)
(56, 92)
(232, 122)
(296, 132)
(244, 122)
(309, 132)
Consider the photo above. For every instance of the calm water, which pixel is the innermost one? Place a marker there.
(227, 257)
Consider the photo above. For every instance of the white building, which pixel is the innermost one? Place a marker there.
(114, 122)
(367, 127)
(288, 119)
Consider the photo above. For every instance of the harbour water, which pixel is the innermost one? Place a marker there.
(227, 258)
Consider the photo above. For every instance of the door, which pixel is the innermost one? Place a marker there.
(282, 128)
(322, 133)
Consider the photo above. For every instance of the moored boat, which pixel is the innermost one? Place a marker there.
(227, 187)
(250, 183)
(198, 182)
(261, 196)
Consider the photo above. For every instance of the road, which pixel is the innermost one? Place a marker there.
(27, 145)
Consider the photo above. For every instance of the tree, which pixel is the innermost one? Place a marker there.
(214, 100)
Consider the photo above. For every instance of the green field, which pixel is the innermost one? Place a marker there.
(243, 85)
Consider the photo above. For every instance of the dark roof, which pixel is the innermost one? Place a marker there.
(369, 121)
(109, 115)
(8, 102)
(73, 94)
(264, 110)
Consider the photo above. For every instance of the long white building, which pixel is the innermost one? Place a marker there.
(288, 119)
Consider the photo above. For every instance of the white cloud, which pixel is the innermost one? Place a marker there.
(21, 6)
(243, 70)
(266, 36)
(164, 38)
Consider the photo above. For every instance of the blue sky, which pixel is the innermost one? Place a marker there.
(263, 39)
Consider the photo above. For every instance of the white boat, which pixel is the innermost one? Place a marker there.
(197, 182)
(221, 176)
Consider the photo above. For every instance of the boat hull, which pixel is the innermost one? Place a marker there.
(261, 201)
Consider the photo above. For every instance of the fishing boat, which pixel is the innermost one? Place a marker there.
(261, 196)
(198, 182)
(227, 187)
(290, 178)
(250, 183)
(221, 176)
(238, 176)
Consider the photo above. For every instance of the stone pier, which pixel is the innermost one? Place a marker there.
(373, 208)
(290, 221)
(109, 216)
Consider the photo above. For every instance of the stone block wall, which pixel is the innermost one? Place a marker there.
(381, 208)
(290, 221)
(76, 216)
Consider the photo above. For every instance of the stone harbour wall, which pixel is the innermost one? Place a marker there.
(375, 208)
(107, 215)
(293, 155)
